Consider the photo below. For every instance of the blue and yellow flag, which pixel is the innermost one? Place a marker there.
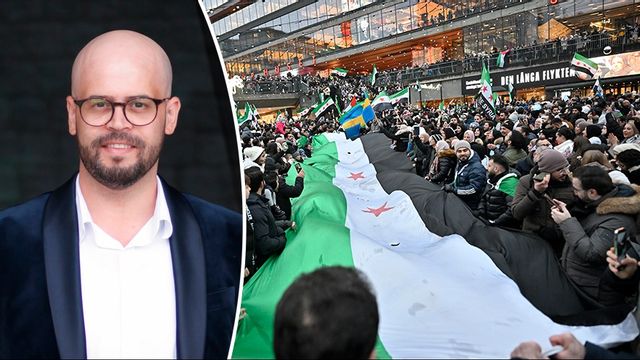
(357, 117)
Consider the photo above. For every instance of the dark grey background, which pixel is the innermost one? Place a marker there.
(38, 42)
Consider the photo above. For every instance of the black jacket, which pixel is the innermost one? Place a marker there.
(41, 314)
(286, 192)
(268, 237)
(494, 202)
(446, 165)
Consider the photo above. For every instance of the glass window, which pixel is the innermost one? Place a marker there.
(375, 25)
(389, 22)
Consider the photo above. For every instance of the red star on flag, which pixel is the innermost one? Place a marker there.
(356, 176)
(484, 88)
(378, 211)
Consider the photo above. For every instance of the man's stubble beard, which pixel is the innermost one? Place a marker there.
(117, 177)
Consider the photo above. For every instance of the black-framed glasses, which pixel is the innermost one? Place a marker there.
(98, 110)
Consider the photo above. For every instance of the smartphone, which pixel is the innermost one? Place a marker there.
(540, 176)
(416, 130)
(621, 244)
(549, 200)
(298, 167)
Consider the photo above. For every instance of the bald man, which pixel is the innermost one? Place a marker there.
(115, 263)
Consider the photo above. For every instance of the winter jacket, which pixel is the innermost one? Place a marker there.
(286, 192)
(589, 234)
(269, 238)
(469, 180)
(633, 174)
(443, 167)
(514, 155)
(497, 196)
(423, 156)
(530, 207)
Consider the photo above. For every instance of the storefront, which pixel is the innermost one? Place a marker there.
(618, 74)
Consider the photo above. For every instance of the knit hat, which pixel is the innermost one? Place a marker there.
(253, 152)
(448, 133)
(436, 137)
(462, 144)
(552, 160)
(441, 145)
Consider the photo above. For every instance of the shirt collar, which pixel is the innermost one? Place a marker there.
(161, 218)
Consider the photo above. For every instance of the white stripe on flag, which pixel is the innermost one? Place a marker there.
(438, 296)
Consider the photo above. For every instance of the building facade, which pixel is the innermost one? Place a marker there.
(437, 42)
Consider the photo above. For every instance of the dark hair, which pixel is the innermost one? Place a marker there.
(518, 140)
(629, 157)
(255, 178)
(271, 179)
(567, 133)
(329, 313)
(501, 160)
(594, 177)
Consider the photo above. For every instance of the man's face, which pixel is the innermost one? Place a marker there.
(579, 192)
(118, 154)
(463, 154)
(504, 131)
(560, 175)
(555, 110)
(486, 126)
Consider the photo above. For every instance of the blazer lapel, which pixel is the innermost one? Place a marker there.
(187, 254)
(62, 264)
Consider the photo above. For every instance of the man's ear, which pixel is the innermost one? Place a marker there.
(72, 111)
(171, 115)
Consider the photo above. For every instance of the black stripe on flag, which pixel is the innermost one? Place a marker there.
(524, 257)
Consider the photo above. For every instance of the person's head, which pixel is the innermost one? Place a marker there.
(553, 162)
(628, 159)
(463, 150)
(590, 183)
(505, 129)
(469, 136)
(517, 140)
(595, 156)
(120, 107)
(255, 179)
(329, 313)
(629, 130)
(564, 134)
(255, 154)
(498, 164)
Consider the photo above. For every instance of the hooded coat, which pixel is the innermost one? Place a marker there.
(589, 233)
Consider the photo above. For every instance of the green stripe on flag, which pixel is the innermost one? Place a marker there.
(320, 206)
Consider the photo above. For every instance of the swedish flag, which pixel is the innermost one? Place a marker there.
(356, 118)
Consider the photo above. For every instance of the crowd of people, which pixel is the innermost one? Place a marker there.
(566, 170)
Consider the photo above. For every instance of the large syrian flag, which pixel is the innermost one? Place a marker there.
(399, 96)
(439, 295)
(583, 66)
(486, 95)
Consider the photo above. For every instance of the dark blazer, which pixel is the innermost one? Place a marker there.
(40, 299)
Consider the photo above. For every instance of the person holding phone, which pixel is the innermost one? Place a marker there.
(549, 176)
(590, 228)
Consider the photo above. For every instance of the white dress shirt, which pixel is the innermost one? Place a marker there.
(128, 295)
